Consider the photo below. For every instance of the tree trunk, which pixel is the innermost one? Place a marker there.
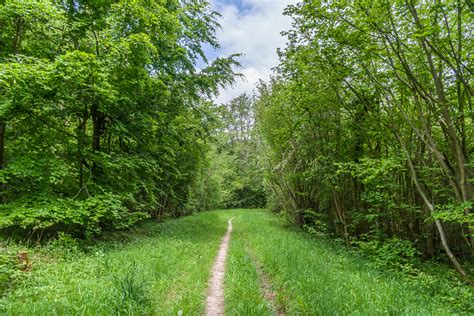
(341, 214)
(98, 120)
(431, 209)
(20, 24)
(2, 162)
(98, 130)
(16, 44)
(81, 138)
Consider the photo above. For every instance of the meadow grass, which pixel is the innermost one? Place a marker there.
(164, 270)
(312, 276)
(243, 294)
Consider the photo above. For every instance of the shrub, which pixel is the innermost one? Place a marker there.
(87, 217)
(390, 253)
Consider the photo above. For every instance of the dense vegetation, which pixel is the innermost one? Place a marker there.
(104, 116)
(364, 134)
(232, 175)
(369, 126)
(163, 269)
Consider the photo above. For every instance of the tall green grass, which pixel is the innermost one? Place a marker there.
(315, 277)
(243, 293)
(164, 270)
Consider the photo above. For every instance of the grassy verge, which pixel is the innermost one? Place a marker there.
(243, 295)
(314, 277)
(162, 269)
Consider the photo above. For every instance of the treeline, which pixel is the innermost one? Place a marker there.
(369, 126)
(104, 118)
(231, 176)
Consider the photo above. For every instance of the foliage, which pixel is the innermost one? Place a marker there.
(103, 112)
(231, 177)
(367, 121)
(389, 253)
(88, 215)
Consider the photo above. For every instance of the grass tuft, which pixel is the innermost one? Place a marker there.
(132, 291)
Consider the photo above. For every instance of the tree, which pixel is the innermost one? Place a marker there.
(373, 134)
(104, 110)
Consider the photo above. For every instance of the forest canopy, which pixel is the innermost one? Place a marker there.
(104, 115)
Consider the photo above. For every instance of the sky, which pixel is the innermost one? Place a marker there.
(252, 28)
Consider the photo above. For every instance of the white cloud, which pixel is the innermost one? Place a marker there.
(252, 28)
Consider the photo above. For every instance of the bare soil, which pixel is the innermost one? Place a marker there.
(215, 304)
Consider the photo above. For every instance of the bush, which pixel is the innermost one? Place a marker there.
(389, 253)
(85, 218)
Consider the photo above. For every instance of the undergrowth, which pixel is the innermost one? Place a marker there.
(313, 275)
(153, 268)
(163, 269)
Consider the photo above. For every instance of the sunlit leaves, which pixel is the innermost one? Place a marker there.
(102, 101)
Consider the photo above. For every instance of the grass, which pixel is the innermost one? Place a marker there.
(243, 295)
(314, 277)
(163, 269)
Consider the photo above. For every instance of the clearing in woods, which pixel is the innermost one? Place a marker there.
(176, 267)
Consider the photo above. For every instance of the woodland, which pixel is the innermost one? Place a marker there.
(362, 138)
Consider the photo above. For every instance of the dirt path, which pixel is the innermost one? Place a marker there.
(267, 290)
(215, 294)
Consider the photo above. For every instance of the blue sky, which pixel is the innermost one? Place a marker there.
(250, 27)
(240, 4)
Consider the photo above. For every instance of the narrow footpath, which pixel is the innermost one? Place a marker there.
(215, 296)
